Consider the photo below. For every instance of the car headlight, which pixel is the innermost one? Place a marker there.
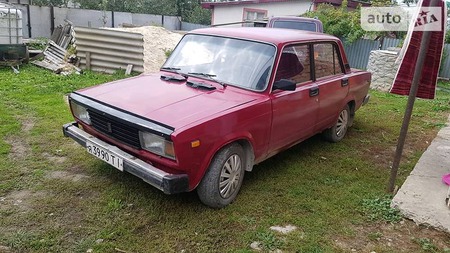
(80, 112)
(157, 144)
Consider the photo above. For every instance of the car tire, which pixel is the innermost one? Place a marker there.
(338, 131)
(223, 179)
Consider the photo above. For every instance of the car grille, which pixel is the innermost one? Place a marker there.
(112, 127)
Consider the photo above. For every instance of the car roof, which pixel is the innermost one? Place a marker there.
(271, 35)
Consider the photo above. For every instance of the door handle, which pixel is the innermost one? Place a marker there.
(344, 82)
(314, 91)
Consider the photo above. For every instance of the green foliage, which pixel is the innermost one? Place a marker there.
(380, 3)
(60, 3)
(168, 52)
(339, 21)
(375, 236)
(190, 11)
(380, 209)
(426, 244)
(269, 241)
(38, 43)
(447, 37)
(346, 24)
(197, 15)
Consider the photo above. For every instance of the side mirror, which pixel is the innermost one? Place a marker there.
(284, 84)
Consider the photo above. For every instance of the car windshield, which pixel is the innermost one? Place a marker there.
(236, 62)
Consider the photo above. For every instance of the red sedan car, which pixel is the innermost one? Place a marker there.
(225, 100)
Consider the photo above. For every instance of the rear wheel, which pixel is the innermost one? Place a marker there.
(222, 182)
(338, 131)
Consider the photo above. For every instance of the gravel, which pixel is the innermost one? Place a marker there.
(157, 40)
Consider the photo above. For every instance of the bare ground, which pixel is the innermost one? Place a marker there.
(405, 236)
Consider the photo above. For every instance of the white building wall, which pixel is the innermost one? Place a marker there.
(224, 14)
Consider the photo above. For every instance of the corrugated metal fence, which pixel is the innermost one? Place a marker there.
(445, 64)
(358, 53)
(109, 50)
(185, 26)
(389, 42)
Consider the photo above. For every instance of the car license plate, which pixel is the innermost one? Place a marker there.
(105, 155)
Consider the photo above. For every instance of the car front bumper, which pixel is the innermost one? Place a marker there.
(166, 182)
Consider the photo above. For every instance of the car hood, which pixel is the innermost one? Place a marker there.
(169, 102)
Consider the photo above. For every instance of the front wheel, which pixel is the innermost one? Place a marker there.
(338, 131)
(222, 182)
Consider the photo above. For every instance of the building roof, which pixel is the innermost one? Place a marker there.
(210, 4)
(271, 35)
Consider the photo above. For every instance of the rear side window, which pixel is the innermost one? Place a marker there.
(326, 60)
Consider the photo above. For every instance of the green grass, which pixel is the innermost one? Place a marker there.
(380, 209)
(324, 189)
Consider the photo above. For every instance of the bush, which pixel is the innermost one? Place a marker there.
(339, 21)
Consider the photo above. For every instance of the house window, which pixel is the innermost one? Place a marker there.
(252, 15)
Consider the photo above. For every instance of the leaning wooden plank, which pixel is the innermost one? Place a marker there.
(57, 46)
(50, 66)
(49, 56)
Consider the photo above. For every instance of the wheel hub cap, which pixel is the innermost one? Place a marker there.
(230, 176)
(342, 122)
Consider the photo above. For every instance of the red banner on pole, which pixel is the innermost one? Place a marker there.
(410, 51)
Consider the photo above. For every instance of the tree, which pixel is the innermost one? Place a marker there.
(339, 21)
(198, 15)
(59, 3)
(189, 11)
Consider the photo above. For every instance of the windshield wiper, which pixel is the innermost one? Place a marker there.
(200, 85)
(201, 74)
(173, 78)
(209, 76)
(170, 68)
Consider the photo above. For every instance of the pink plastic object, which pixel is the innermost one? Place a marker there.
(446, 179)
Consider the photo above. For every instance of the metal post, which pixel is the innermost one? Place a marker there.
(409, 107)
(52, 19)
(29, 21)
(112, 19)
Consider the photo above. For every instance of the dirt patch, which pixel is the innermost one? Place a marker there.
(27, 124)
(19, 148)
(21, 200)
(54, 158)
(384, 155)
(405, 236)
(65, 175)
(5, 249)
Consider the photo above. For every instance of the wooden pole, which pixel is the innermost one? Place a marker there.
(409, 107)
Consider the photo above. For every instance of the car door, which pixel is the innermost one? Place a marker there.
(294, 112)
(331, 82)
